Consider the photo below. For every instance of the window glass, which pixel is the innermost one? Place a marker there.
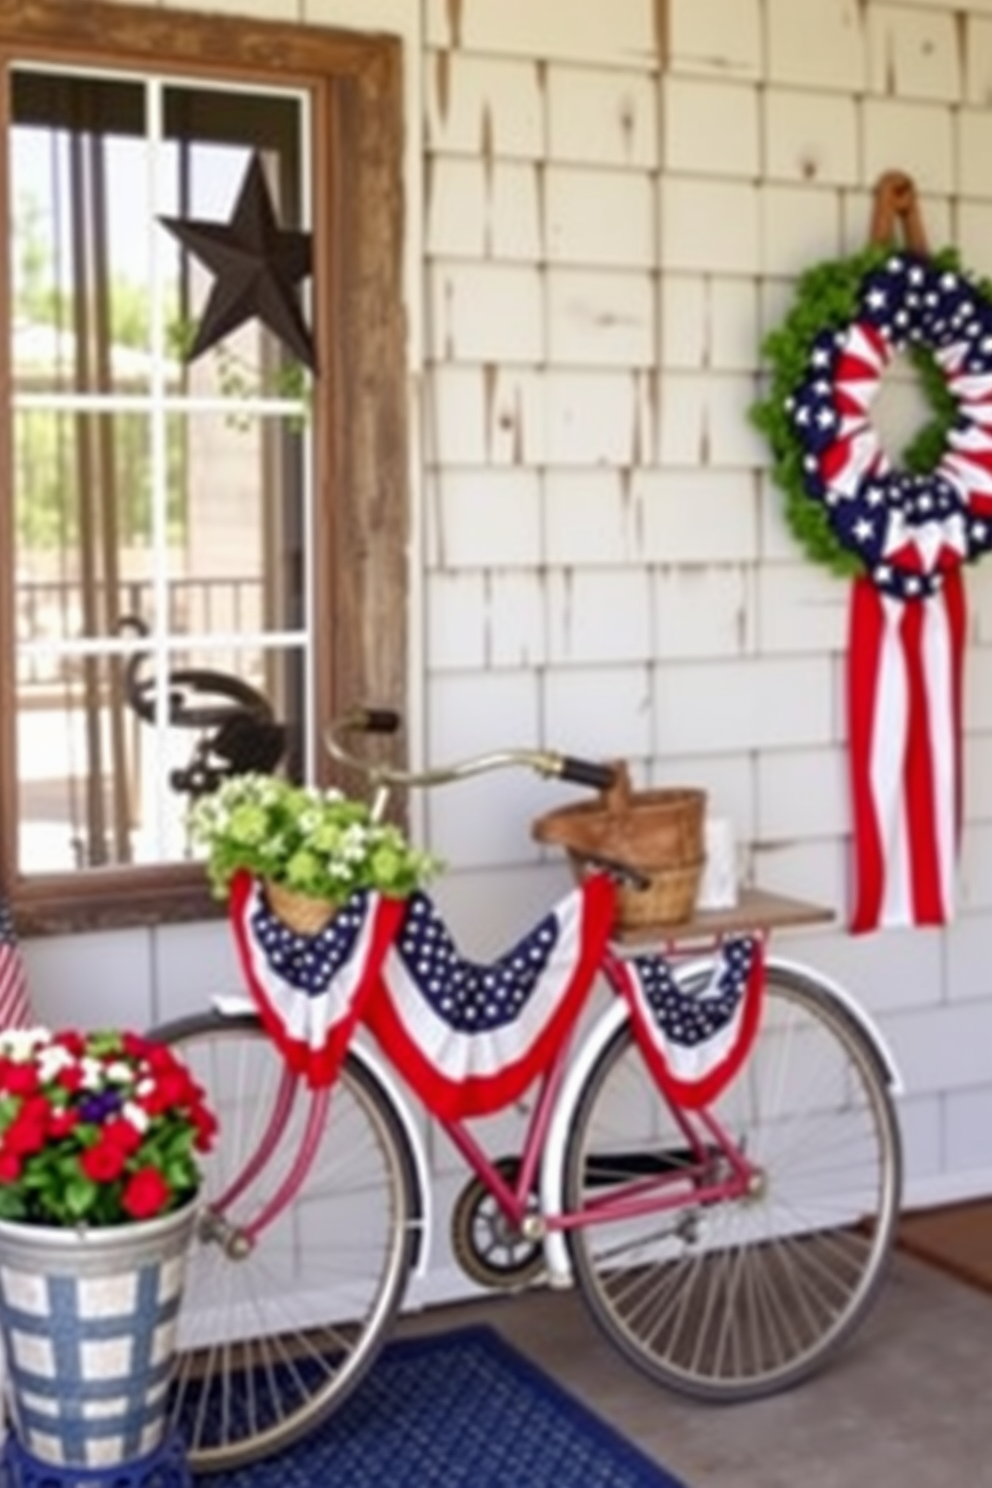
(160, 501)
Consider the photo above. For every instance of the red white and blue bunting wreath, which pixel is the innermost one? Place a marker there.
(903, 533)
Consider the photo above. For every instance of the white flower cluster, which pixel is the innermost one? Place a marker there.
(317, 842)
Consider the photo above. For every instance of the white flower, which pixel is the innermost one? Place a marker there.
(136, 1115)
(91, 1073)
(19, 1044)
(52, 1061)
(118, 1073)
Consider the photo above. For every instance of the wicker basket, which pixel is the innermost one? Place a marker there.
(300, 912)
(658, 832)
(669, 898)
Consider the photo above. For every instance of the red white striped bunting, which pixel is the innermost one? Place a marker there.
(905, 664)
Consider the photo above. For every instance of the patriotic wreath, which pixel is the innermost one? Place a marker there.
(904, 526)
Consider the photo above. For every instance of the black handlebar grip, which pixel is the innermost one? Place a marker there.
(378, 721)
(587, 772)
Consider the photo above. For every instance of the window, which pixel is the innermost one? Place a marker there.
(203, 505)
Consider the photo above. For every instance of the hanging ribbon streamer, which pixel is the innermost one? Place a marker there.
(904, 720)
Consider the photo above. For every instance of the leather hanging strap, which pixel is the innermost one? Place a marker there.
(896, 203)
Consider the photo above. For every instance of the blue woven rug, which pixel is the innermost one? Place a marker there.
(459, 1410)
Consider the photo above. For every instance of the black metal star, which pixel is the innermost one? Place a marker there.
(256, 266)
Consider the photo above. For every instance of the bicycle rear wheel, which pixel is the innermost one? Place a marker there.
(739, 1298)
(275, 1333)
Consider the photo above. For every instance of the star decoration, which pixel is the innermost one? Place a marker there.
(257, 266)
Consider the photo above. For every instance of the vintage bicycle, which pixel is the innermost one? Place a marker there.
(714, 1161)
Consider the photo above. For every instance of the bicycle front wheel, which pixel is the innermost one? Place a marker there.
(277, 1328)
(740, 1297)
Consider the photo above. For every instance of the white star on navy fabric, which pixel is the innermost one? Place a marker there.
(688, 1018)
(309, 962)
(905, 302)
(470, 997)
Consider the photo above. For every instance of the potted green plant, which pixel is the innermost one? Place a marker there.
(312, 848)
(101, 1136)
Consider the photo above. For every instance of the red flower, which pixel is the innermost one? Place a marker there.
(173, 1088)
(121, 1134)
(10, 1167)
(20, 1079)
(134, 1046)
(27, 1132)
(160, 1056)
(61, 1123)
(104, 1162)
(72, 1041)
(70, 1078)
(206, 1128)
(146, 1194)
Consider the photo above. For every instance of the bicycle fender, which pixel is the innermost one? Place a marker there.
(377, 1068)
(552, 1177)
(851, 1005)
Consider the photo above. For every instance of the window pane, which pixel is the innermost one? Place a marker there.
(82, 233)
(106, 777)
(75, 800)
(240, 543)
(83, 521)
(160, 502)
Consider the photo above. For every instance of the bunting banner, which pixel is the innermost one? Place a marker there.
(695, 1042)
(311, 990)
(468, 1037)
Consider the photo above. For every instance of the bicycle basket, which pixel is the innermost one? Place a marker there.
(300, 912)
(658, 832)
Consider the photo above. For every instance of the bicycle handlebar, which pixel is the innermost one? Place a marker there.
(548, 763)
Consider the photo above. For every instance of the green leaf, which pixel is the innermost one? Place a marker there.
(12, 1203)
(79, 1195)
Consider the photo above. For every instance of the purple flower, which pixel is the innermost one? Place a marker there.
(97, 1108)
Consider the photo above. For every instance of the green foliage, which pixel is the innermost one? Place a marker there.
(315, 842)
(827, 299)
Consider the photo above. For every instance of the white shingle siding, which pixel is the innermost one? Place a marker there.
(609, 204)
(816, 44)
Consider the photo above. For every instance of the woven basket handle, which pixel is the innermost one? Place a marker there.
(617, 797)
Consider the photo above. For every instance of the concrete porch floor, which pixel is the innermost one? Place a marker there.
(907, 1404)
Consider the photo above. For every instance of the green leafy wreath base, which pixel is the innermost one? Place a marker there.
(827, 297)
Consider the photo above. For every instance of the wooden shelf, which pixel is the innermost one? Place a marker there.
(756, 909)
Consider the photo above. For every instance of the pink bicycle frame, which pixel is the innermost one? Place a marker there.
(699, 1180)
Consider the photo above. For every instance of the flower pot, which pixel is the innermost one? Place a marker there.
(88, 1321)
(303, 913)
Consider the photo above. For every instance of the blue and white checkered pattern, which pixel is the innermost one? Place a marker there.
(89, 1358)
(166, 1467)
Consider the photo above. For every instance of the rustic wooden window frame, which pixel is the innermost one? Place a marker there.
(360, 408)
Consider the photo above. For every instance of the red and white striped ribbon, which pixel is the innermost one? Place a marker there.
(905, 664)
(15, 1004)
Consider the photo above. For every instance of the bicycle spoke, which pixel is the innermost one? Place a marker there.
(274, 1333)
(742, 1295)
